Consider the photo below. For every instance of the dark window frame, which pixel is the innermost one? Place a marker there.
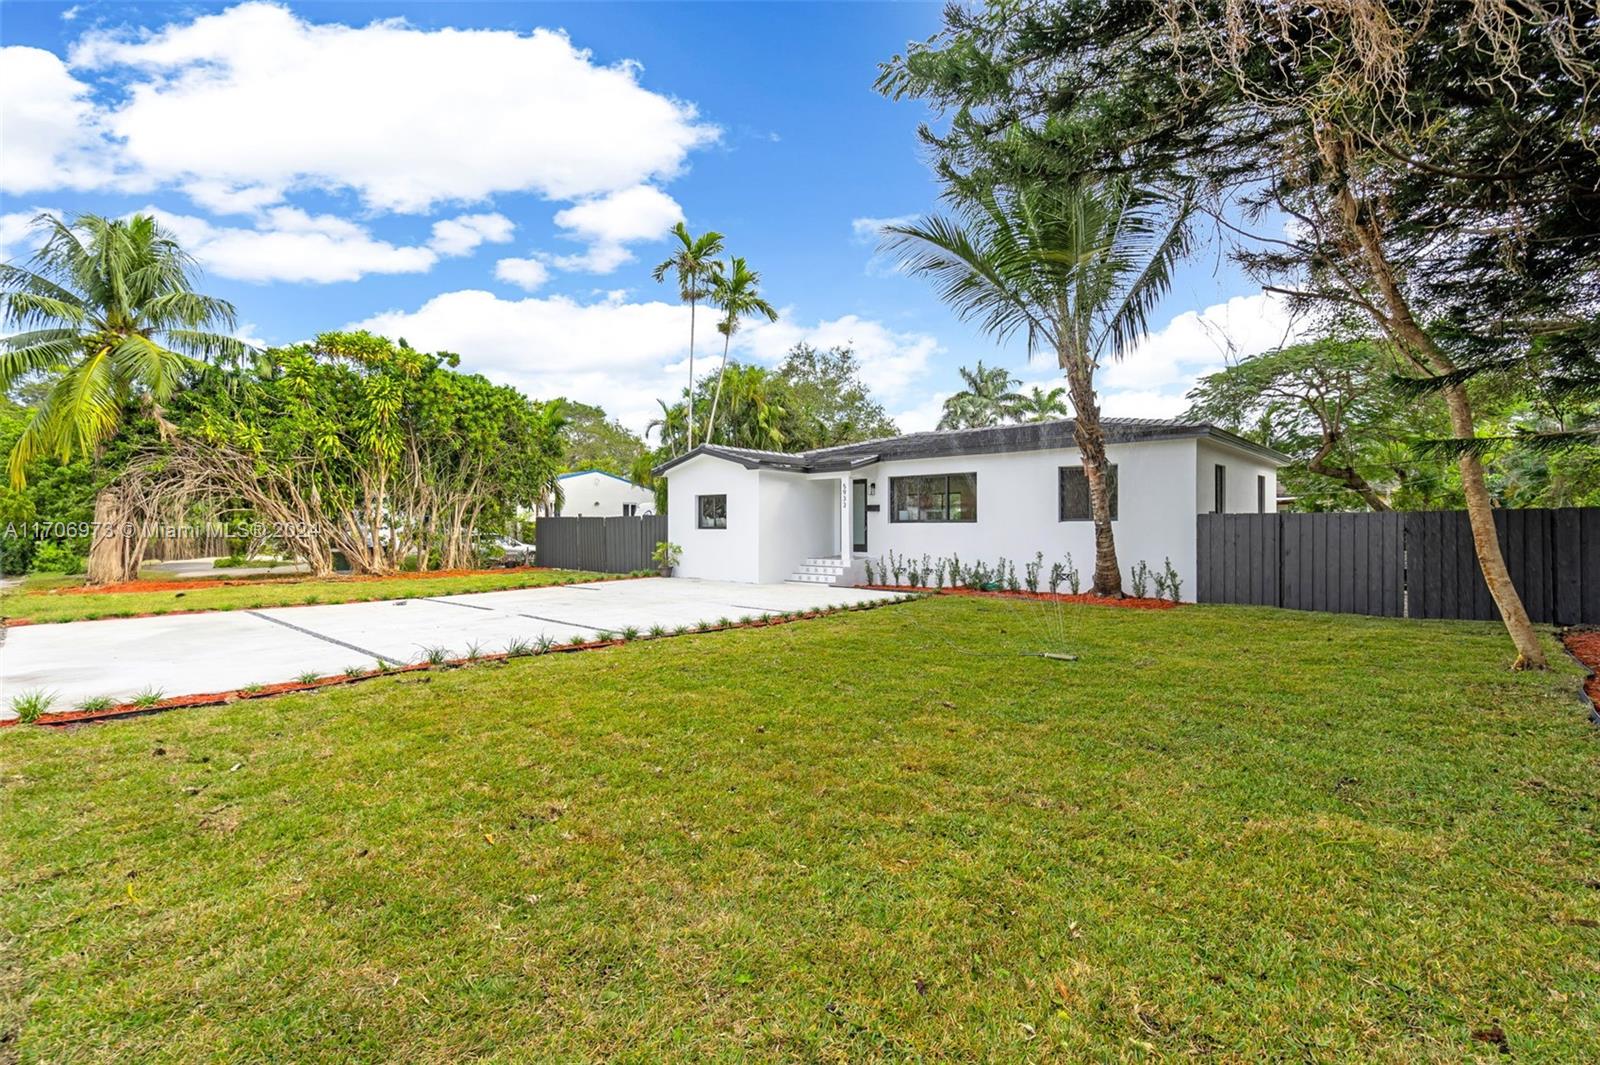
(1219, 488)
(894, 508)
(1063, 472)
(700, 512)
(1261, 493)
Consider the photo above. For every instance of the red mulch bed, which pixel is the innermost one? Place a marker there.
(297, 578)
(1584, 644)
(1130, 602)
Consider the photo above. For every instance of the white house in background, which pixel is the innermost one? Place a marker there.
(598, 494)
(1012, 490)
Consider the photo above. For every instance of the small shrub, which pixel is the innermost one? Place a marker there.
(1011, 578)
(938, 572)
(1139, 579)
(897, 567)
(1074, 582)
(576, 639)
(1032, 570)
(925, 571)
(703, 625)
(99, 702)
(252, 689)
(518, 648)
(474, 651)
(311, 599)
(657, 631)
(1058, 573)
(1173, 581)
(148, 697)
(543, 644)
(724, 622)
(955, 571)
(308, 677)
(605, 636)
(30, 705)
(353, 671)
(679, 630)
(436, 656)
(868, 564)
(630, 632)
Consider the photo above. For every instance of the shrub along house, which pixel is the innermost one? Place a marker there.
(1012, 490)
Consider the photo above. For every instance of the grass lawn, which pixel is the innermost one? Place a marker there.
(57, 598)
(878, 836)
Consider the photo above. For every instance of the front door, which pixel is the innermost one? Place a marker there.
(858, 516)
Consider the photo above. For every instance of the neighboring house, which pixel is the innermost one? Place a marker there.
(1012, 490)
(597, 494)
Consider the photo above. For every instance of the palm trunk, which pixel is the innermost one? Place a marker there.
(717, 397)
(691, 375)
(1402, 326)
(1091, 442)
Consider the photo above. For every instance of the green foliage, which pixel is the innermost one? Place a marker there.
(31, 705)
(985, 399)
(56, 495)
(107, 313)
(592, 441)
(666, 555)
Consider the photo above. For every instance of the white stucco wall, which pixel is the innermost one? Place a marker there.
(1019, 510)
(1240, 481)
(731, 554)
(776, 520)
(592, 494)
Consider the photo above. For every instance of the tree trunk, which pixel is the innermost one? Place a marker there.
(117, 546)
(1092, 451)
(691, 375)
(1402, 326)
(717, 397)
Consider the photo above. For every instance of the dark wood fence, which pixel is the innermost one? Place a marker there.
(1417, 564)
(604, 545)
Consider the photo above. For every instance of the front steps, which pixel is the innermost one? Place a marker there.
(820, 571)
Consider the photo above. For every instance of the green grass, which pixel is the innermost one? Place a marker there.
(882, 835)
(59, 600)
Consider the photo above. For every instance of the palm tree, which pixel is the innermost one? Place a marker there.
(694, 263)
(107, 311)
(987, 400)
(736, 295)
(1041, 406)
(1078, 268)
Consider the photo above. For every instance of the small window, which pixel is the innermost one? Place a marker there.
(940, 498)
(713, 511)
(1075, 505)
(630, 510)
(1219, 489)
(1261, 493)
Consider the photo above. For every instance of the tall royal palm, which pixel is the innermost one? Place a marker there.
(1077, 268)
(987, 399)
(736, 294)
(693, 263)
(107, 313)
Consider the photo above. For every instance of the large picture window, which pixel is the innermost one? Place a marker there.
(713, 511)
(941, 497)
(1075, 504)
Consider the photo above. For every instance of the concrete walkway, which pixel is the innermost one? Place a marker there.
(191, 654)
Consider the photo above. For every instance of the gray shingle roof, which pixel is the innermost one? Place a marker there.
(999, 439)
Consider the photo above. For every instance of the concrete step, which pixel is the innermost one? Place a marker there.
(812, 578)
(829, 571)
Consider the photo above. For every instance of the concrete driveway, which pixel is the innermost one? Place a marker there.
(191, 654)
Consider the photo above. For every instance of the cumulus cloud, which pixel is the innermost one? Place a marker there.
(463, 234)
(288, 244)
(52, 138)
(18, 237)
(609, 223)
(524, 273)
(870, 230)
(405, 118)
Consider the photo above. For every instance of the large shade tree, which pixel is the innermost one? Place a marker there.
(1437, 162)
(107, 313)
(1074, 268)
(693, 263)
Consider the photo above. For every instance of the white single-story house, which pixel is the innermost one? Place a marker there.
(1011, 490)
(598, 494)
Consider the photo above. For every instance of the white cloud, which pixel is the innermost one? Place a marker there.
(609, 223)
(891, 362)
(51, 137)
(1153, 379)
(288, 244)
(463, 234)
(870, 230)
(18, 238)
(524, 273)
(922, 416)
(406, 118)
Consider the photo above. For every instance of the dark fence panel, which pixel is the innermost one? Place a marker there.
(1420, 564)
(604, 545)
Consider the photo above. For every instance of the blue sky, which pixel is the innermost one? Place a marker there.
(496, 179)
